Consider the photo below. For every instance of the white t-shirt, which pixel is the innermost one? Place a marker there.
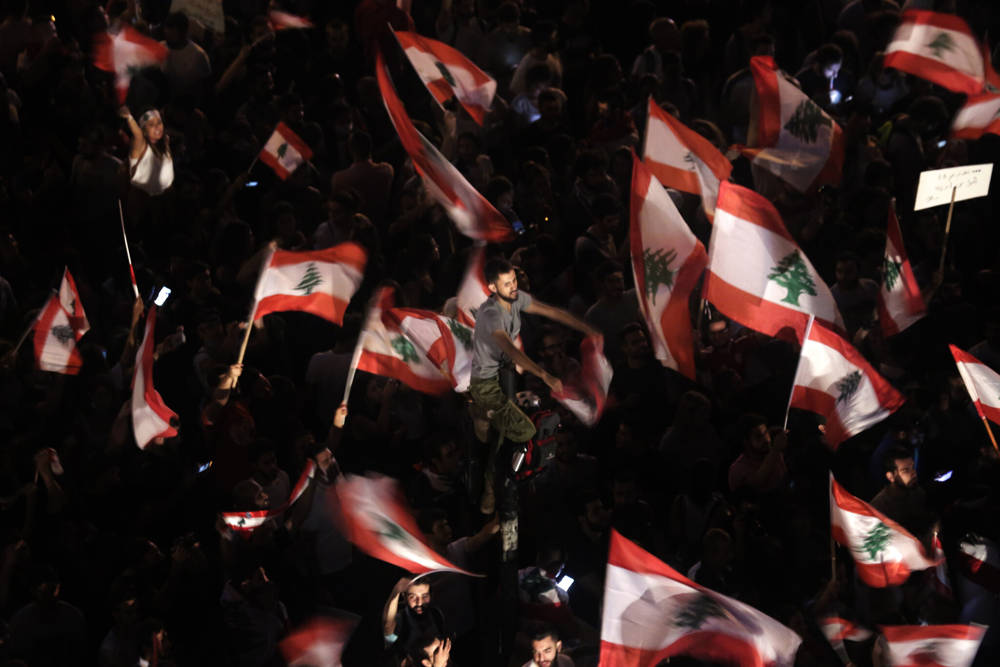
(152, 173)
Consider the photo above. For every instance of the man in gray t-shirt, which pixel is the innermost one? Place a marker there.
(498, 323)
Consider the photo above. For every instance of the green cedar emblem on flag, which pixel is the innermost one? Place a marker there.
(694, 614)
(405, 349)
(461, 333)
(890, 271)
(875, 541)
(391, 530)
(657, 269)
(806, 120)
(792, 274)
(941, 42)
(445, 73)
(848, 386)
(282, 149)
(310, 280)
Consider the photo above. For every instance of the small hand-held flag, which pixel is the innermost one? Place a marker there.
(58, 329)
(125, 52)
(940, 48)
(284, 151)
(900, 303)
(983, 385)
(932, 645)
(151, 418)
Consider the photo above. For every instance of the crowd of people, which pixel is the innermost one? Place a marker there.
(116, 556)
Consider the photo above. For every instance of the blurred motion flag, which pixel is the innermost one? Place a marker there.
(125, 53)
(151, 418)
(60, 326)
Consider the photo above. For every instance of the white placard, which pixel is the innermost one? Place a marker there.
(206, 12)
(968, 182)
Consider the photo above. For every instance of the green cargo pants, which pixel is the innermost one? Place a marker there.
(506, 418)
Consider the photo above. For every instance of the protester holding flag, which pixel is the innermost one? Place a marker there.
(151, 166)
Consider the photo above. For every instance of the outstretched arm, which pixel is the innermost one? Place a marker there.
(525, 362)
(561, 316)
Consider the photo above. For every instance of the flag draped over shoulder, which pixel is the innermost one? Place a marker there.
(284, 151)
(932, 645)
(900, 303)
(320, 282)
(447, 73)
(884, 552)
(151, 418)
(667, 261)
(940, 48)
(682, 159)
(376, 520)
(835, 381)
(652, 612)
(125, 52)
(982, 383)
(757, 274)
(60, 326)
(795, 140)
(472, 214)
(587, 395)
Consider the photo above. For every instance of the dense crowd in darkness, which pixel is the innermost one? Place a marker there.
(123, 555)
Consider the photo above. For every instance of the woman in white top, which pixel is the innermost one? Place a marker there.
(151, 168)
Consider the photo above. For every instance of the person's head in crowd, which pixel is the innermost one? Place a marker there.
(754, 434)
(441, 455)
(469, 147)
(762, 44)
(501, 279)
(428, 649)
(550, 105)
(500, 192)
(607, 213)
(359, 144)
(543, 37)
(45, 585)
(848, 270)
(433, 523)
(635, 344)
(248, 495)
(418, 596)
(365, 234)
(900, 470)
(605, 73)
(609, 280)
(262, 83)
(322, 457)
(717, 550)
(710, 131)
(508, 17)
(283, 220)
(92, 141)
(264, 458)
(545, 646)
(625, 488)
(537, 78)
(664, 35)
(829, 60)
(341, 205)
(592, 168)
(928, 117)
(175, 30)
(592, 514)
(550, 557)
(696, 42)
(848, 43)
(291, 110)
(153, 130)
(552, 350)
(694, 410)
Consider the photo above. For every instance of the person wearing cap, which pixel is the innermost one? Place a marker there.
(151, 166)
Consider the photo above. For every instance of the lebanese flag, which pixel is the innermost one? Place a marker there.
(587, 395)
(940, 48)
(390, 352)
(682, 159)
(979, 116)
(932, 645)
(835, 381)
(473, 291)
(796, 140)
(247, 521)
(982, 383)
(979, 561)
(900, 303)
(319, 642)
(320, 282)
(837, 630)
(279, 20)
(942, 584)
(125, 52)
(151, 418)
(376, 520)
(284, 151)
(472, 214)
(884, 552)
(447, 73)
(667, 261)
(652, 612)
(757, 274)
(59, 327)
(445, 342)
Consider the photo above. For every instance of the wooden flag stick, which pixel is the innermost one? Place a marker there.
(947, 231)
(246, 334)
(271, 247)
(359, 346)
(805, 339)
(989, 431)
(24, 337)
(128, 255)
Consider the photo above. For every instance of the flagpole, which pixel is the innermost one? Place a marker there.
(358, 348)
(128, 255)
(947, 231)
(24, 337)
(253, 311)
(805, 338)
(989, 431)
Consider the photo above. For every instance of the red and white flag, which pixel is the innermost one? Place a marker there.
(421, 349)
(473, 291)
(376, 520)
(151, 418)
(796, 140)
(652, 612)
(247, 521)
(942, 583)
(884, 552)
(59, 327)
(587, 395)
(980, 115)
(835, 381)
(279, 20)
(757, 274)
(667, 261)
(982, 383)
(284, 151)
(682, 159)
(472, 214)
(447, 73)
(124, 53)
(940, 48)
(932, 645)
(837, 630)
(319, 642)
(320, 282)
(979, 561)
(900, 303)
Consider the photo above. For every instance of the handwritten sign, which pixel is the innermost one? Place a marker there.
(968, 182)
(206, 12)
